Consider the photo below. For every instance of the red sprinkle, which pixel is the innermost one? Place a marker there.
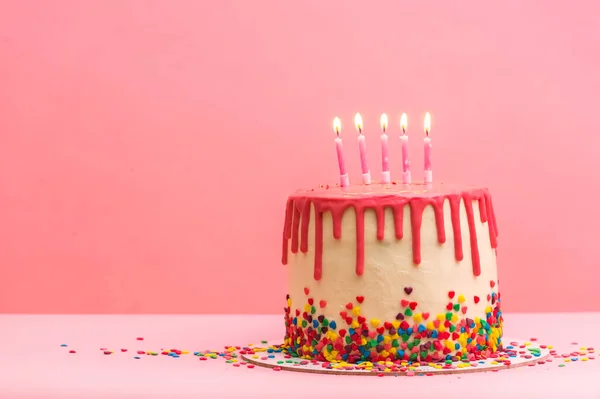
(140, 338)
(107, 352)
(250, 366)
(276, 368)
(72, 351)
(123, 350)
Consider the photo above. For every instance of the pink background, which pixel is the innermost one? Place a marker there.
(147, 147)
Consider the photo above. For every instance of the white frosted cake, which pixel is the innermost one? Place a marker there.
(391, 272)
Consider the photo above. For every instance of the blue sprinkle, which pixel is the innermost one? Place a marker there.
(175, 357)
(63, 345)
(221, 354)
(137, 357)
(172, 354)
(481, 362)
(332, 325)
(573, 359)
(196, 353)
(271, 356)
(510, 347)
(422, 328)
(315, 323)
(270, 350)
(351, 331)
(401, 354)
(409, 331)
(295, 321)
(457, 346)
(434, 334)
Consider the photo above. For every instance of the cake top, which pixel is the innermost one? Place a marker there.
(394, 189)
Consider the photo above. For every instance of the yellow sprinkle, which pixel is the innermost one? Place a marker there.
(461, 298)
(584, 359)
(567, 360)
(417, 317)
(356, 310)
(187, 352)
(396, 324)
(550, 347)
(255, 357)
(354, 324)
(441, 317)
(494, 362)
(527, 343)
(375, 322)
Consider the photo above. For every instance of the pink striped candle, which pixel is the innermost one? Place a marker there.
(362, 147)
(406, 175)
(337, 128)
(427, 163)
(385, 162)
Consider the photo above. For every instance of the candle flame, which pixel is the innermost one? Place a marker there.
(404, 122)
(384, 122)
(427, 123)
(358, 122)
(337, 125)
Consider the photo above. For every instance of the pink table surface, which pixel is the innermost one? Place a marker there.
(34, 365)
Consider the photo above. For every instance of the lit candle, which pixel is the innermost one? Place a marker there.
(385, 162)
(337, 128)
(406, 176)
(362, 147)
(427, 164)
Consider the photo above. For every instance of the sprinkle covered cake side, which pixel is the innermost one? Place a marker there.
(391, 272)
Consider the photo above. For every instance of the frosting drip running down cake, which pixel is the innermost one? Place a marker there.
(391, 272)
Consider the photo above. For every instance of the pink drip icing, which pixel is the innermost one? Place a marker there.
(298, 209)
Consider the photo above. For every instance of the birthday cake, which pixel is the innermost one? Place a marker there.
(393, 271)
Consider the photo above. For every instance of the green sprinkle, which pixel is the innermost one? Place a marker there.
(313, 310)
(448, 316)
(456, 307)
(408, 312)
(264, 342)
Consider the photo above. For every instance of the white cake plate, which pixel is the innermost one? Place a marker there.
(517, 353)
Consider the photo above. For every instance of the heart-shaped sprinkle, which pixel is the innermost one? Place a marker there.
(349, 306)
(492, 283)
(489, 297)
(451, 294)
(361, 319)
(476, 299)
(360, 299)
(380, 330)
(343, 314)
(387, 325)
(399, 316)
(306, 290)
(413, 305)
(408, 290)
(425, 315)
(375, 322)
(404, 303)
(321, 318)
(464, 310)
(311, 301)
(348, 320)
(342, 333)
(449, 306)
(322, 303)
